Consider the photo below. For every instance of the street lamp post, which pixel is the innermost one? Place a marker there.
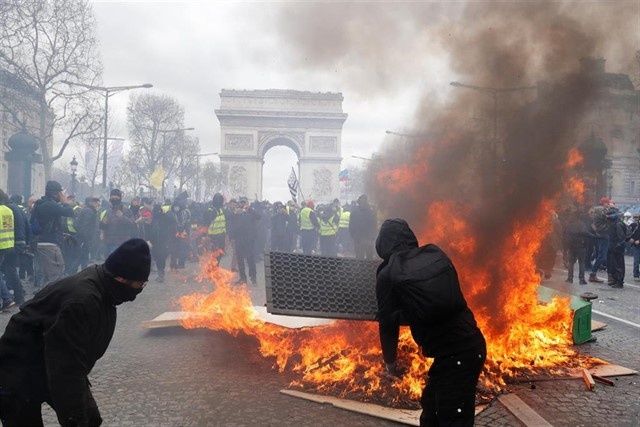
(107, 92)
(198, 171)
(74, 168)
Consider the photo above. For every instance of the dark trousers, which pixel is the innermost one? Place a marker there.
(328, 245)
(615, 264)
(10, 270)
(179, 252)
(448, 399)
(602, 248)
(573, 255)
(245, 251)
(363, 249)
(19, 411)
(308, 241)
(160, 255)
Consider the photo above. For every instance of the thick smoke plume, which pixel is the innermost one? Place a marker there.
(493, 164)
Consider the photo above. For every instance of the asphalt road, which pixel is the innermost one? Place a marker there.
(177, 377)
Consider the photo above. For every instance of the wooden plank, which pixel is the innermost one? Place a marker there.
(403, 416)
(172, 319)
(611, 371)
(166, 320)
(522, 411)
(597, 326)
(588, 380)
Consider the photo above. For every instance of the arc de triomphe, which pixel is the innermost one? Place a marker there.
(253, 121)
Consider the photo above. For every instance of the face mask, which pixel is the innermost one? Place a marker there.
(122, 293)
(135, 209)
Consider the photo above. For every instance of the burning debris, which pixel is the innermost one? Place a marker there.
(484, 190)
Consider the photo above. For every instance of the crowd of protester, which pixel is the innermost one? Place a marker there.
(46, 239)
(597, 239)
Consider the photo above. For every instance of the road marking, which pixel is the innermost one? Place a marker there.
(615, 318)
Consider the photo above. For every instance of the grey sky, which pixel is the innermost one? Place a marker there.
(392, 61)
(192, 50)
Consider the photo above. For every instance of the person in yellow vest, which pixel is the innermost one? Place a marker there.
(71, 246)
(328, 219)
(309, 227)
(217, 230)
(345, 243)
(6, 245)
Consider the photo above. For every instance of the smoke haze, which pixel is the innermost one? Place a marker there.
(452, 155)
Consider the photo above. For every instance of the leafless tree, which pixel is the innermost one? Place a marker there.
(213, 179)
(48, 46)
(157, 136)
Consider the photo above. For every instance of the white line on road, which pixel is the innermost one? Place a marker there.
(615, 318)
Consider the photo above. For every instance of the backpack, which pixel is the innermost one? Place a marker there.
(34, 222)
(427, 285)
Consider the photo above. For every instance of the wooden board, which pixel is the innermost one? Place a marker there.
(597, 326)
(522, 411)
(166, 320)
(172, 319)
(404, 416)
(611, 371)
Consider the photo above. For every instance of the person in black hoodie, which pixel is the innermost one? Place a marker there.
(51, 345)
(49, 211)
(418, 286)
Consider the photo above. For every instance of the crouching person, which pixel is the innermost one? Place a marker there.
(50, 346)
(418, 286)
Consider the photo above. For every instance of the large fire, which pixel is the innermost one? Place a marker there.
(524, 337)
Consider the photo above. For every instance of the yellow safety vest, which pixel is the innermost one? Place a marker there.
(305, 219)
(327, 228)
(6, 228)
(71, 221)
(218, 225)
(103, 214)
(166, 208)
(345, 216)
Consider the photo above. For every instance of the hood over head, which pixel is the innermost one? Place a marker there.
(395, 236)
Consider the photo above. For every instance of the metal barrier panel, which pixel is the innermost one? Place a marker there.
(317, 286)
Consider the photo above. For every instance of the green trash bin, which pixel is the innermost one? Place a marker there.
(581, 313)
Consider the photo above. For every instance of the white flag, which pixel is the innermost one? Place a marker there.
(292, 182)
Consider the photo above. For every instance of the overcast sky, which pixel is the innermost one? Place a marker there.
(392, 61)
(192, 50)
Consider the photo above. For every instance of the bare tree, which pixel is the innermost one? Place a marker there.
(156, 131)
(213, 179)
(48, 46)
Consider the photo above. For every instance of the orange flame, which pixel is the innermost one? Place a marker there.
(574, 158)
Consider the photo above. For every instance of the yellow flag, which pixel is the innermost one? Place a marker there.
(157, 177)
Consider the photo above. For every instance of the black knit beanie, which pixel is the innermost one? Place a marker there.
(131, 260)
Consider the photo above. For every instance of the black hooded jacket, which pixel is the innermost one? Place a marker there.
(50, 346)
(442, 324)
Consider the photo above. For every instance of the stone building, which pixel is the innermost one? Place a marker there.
(614, 120)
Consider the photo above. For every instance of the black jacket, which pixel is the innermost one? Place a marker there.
(441, 332)
(49, 214)
(362, 223)
(50, 346)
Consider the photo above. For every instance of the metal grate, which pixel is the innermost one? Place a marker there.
(316, 286)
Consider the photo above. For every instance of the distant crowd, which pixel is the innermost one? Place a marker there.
(597, 239)
(46, 239)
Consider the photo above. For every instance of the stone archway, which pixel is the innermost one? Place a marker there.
(252, 122)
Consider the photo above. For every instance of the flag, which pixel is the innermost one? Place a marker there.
(157, 177)
(292, 182)
(343, 175)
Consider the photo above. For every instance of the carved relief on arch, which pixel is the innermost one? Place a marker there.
(238, 142)
(238, 180)
(322, 183)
